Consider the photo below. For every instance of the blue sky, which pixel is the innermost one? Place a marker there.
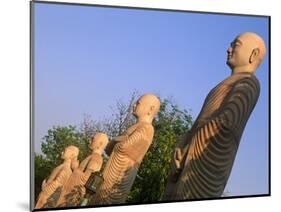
(86, 58)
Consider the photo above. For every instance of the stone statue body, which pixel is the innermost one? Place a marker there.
(204, 158)
(51, 187)
(74, 189)
(127, 154)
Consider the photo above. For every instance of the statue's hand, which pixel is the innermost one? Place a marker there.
(176, 165)
(43, 185)
(110, 146)
(120, 138)
(178, 159)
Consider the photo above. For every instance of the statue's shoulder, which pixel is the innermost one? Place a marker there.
(249, 80)
(85, 161)
(87, 158)
(243, 79)
(96, 157)
(254, 78)
(245, 84)
(95, 160)
(147, 129)
(61, 170)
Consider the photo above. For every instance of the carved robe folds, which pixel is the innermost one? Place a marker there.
(209, 150)
(122, 166)
(74, 189)
(52, 188)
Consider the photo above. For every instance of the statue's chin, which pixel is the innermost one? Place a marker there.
(229, 64)
(135, 115)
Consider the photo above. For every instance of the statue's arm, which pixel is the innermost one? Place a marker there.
(179, 155)
(44, 184)
(57, 181)
(110, 146)
(84, 163)
(137, 137)
(93, 166)
(181, 149)
(120, 138)
(53, 175)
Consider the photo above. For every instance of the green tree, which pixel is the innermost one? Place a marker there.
(58, 138)
(121, 117)
(170, 124)
(42, 167)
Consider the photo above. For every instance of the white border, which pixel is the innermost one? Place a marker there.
(14, 110)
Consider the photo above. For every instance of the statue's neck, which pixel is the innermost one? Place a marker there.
(243, 69)
(97, 151)
(67, 162)
(145, 119)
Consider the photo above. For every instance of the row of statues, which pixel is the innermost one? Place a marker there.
(202, 160)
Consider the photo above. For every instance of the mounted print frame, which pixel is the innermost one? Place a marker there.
(143, 106)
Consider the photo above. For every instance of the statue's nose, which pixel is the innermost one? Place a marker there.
(229, 50)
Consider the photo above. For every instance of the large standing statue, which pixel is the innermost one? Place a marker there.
(204, 158)
(57, 179)
(74, 190)
(127, 154)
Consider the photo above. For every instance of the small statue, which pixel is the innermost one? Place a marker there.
(74, 189)
(127, 154)
(51, 187)
(204, 158)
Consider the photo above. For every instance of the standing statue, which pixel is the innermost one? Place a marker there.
(51, 187)
(74, 190)
(204, 158)
(127, 154)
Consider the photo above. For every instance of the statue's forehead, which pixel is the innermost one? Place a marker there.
(68, 150)
(246, 38)
(99, 139)
(238, 39)
(149, 99)
(145, 98)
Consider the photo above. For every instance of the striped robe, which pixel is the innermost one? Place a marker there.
(122, 166)
(52, 188)
(210, 148)
(74, 189)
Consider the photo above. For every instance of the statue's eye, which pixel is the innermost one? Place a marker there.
(235, 44)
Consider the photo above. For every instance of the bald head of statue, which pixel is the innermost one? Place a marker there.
(99, 142)
(70, 152)
(246, 53)
(146, 107)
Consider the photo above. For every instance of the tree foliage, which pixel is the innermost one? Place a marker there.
(42, 167)
(58, 138)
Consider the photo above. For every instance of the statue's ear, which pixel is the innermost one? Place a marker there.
(151, 109)
(255, 55)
